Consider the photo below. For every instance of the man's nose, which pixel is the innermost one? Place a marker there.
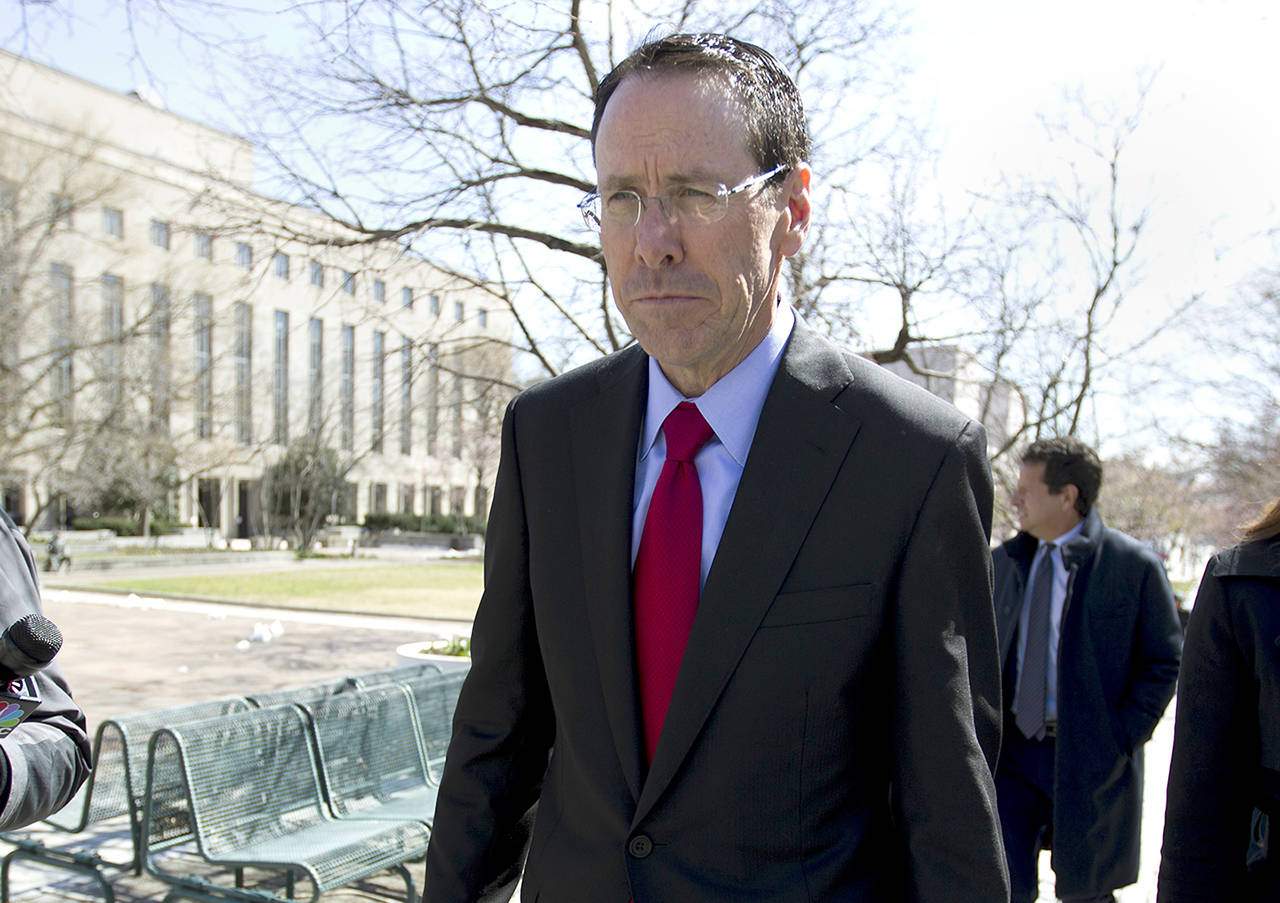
(658, 241)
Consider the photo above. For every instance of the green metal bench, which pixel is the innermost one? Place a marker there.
(324, 688)
(111, 799)
(251, 798)
(371, 762)
(435, 696)
(396, 675)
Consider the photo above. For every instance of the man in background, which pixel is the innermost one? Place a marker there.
(1090, 642)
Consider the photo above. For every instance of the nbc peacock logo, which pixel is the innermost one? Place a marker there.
(10, 717)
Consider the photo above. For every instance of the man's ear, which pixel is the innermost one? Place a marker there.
(1070, 492)
(799, 209)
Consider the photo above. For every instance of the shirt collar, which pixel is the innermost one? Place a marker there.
(733, 403)
(1064, 538)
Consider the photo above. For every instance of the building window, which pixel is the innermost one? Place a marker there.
(208, 502)
(62, 319)
(317, 274)
(348, 282)
(160, 234)
(459, 311)
(406, 397)
(377, 409)
(435, 500)
(204, 246)
(379, 291)
(280, 381)
(160, 338)
(315, 376)
(348, 387)
(482, 317)
(408, 495)
(280, 264)
(378, 498)
(244, 255)
(481, 501)
(244, 372)
(406, 298)
(433, 397)
(113, 339)
(204, 366)
(433, 304)
(457, 500)
(113, 222)
(457, 417)
(60, 210)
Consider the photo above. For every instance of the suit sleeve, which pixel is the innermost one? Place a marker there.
(1157, 651)
(503, 726)
(1215, 751)
(947, 711)
(48, 754)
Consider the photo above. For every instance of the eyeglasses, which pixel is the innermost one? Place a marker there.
(692, 204)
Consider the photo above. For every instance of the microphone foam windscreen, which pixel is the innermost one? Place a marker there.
(36, 636)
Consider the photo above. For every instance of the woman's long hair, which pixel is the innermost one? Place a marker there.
(1265, 526)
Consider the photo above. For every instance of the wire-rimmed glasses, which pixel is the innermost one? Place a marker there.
(694, 203)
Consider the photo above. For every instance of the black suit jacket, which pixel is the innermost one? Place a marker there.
(836, 717)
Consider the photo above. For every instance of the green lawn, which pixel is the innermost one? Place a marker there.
(448, 589)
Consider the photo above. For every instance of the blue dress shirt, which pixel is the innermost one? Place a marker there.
(732, 408)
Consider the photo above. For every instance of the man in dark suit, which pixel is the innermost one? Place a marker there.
(788, 691)
(1090, 640)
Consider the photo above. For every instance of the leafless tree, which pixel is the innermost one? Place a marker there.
(1054, 281)
(70, 385)
(461, 131)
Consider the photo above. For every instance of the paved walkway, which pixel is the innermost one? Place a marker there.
(124, 654)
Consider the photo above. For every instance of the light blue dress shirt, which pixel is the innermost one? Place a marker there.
(732, 408)
(1057, 601)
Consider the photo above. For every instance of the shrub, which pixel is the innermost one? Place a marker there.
(424, 523)
(125, 526)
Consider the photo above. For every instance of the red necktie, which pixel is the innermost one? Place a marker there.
(668, 568)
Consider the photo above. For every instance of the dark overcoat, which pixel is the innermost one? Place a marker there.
(1226, 749)
(1118, 654)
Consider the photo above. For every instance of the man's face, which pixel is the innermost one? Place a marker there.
(697, 297)
(1043, 514)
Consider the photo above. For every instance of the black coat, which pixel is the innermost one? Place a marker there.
(1118, 654)
(1227, 732)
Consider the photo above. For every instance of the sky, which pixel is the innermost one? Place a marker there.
(1207, 140)
(983, 72)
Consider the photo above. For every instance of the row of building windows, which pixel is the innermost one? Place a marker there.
(113, 225)
(160, 393)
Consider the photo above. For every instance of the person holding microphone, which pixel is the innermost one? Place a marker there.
(45, 756)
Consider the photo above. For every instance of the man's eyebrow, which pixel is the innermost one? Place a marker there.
(630, 182)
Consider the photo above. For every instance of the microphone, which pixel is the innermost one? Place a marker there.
(27, 646)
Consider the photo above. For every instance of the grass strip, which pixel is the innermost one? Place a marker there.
(450, 589)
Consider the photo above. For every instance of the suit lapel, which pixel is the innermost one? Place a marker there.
(605, 432)
(801, 431)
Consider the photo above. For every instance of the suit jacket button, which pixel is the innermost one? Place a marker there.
(640, 846)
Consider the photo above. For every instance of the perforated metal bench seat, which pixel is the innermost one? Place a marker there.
(109, 802)
(333, 853)
(253, 798)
